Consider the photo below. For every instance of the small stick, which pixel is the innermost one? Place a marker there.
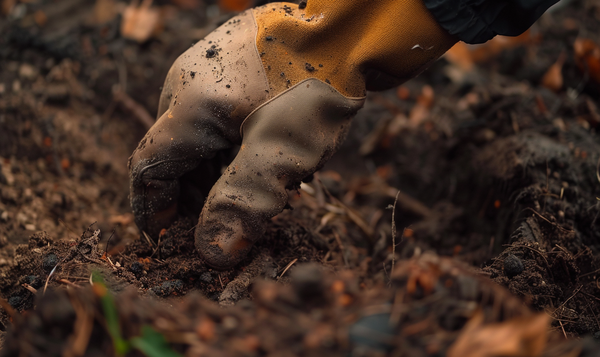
(394, 232)
(29, 287)
(287, 267)
(563, 329)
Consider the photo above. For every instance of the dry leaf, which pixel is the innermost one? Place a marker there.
(523, 336)
(421, 109)
(104, 11)
(140, 23)
(465, 56)
(460, 55)
(7, 6)
(553, 78)
(587, 56)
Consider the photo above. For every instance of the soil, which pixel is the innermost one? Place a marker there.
(462, 212)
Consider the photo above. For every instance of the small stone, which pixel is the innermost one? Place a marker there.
(309, 67)
(229, 323)
(15, 301)
(16, 86)
(513, 266)
(373, 332)
(49, 262)
(27, 71)
(168, 288)
(206, 277)
(136, 268)
(307, 280)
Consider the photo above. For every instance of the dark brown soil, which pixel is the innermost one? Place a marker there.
(493, 238)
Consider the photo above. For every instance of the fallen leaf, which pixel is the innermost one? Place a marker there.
(553, 78)
(587, 57)
(140, 23)
(7, 6)
(421, 109)
(523, 336)
(104, 11)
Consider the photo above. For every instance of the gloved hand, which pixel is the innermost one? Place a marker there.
(283, 83)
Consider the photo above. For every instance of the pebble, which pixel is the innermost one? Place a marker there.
(373, 332)
(49, 262)
(27, 71)
(15, 301)
(206, 277)
(513, 266)
(136, 268)
(307, 280)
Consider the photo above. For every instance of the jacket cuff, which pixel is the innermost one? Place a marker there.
(476, 21)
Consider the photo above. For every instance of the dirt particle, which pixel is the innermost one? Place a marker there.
(309, 67)
(15, 301)
(269, 38)
(136, 268)
(192, 74)
(227, 86)
(168, 288)
(302, 5)
(49, 262)
(210, 53)
(513, 266)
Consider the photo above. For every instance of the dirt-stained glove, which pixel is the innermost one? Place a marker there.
(282, 82)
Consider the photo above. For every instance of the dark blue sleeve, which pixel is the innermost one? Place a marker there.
(476, 21)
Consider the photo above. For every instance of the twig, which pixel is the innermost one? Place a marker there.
(67, 282)
(342, 249)
(563, 329)
(394, 232)
(547, 220)
(50, 275)
(108, 241)
(287, 267)
(150, 241)
(30, 288)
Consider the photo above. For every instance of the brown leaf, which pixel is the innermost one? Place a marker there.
(7, 6)
(553, 78)
(104, 11)
(140, 23)
(523, 336)
(587, 57)
(421, 110)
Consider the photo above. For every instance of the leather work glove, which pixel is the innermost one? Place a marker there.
(283, 83)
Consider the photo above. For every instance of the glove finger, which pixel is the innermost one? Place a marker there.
(171, 149)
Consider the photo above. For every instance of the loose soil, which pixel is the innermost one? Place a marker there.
(462, 212)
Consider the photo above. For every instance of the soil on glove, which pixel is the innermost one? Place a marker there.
(462, 212)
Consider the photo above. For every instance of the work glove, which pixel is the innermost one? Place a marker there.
(282, 82)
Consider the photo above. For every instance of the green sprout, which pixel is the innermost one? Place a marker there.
(151, 343)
